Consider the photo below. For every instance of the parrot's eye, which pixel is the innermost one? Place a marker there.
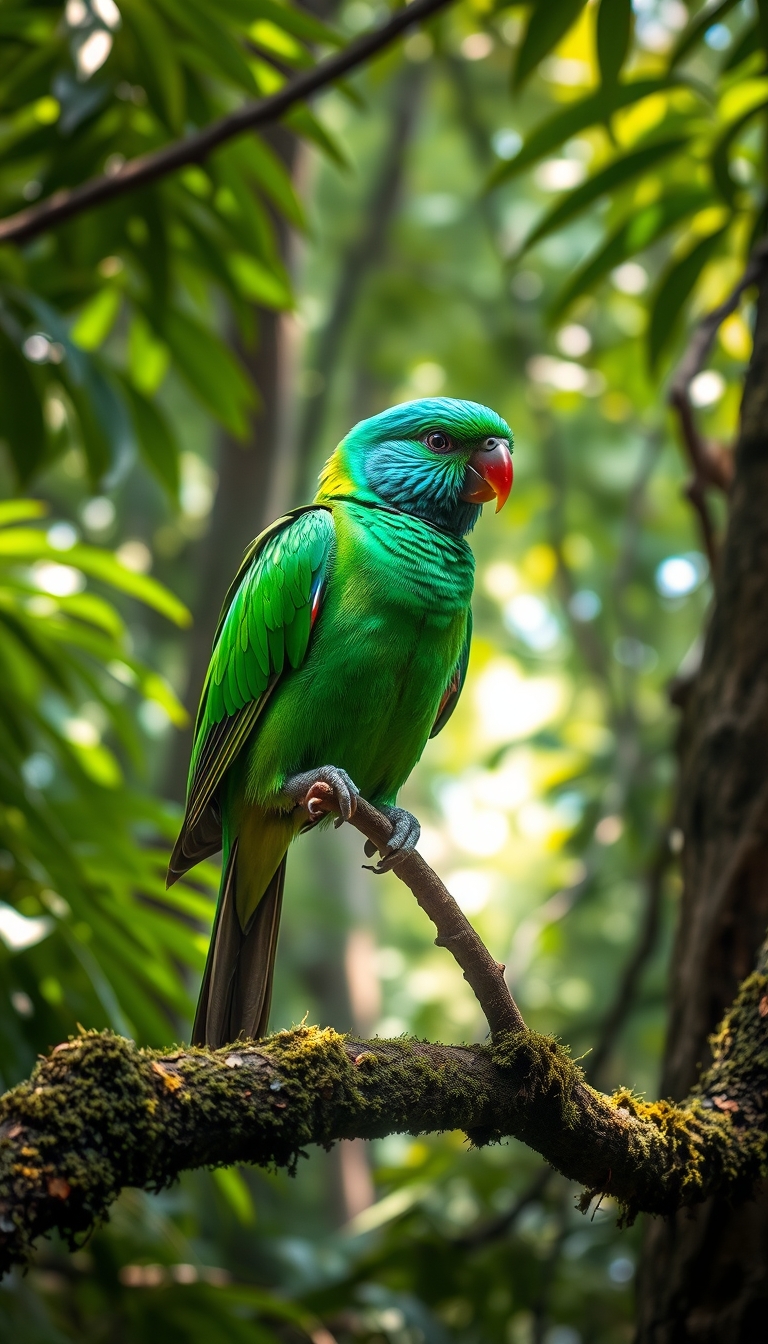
(438, 441)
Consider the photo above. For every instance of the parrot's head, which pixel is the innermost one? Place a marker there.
(439, 459)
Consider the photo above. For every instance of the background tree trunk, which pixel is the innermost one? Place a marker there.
(704, 1276)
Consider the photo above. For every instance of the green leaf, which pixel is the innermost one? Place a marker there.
(614, 29)
(212, 372)
(306, 124)
(289, 17)
(596, 107)
(18, 510)
(549, 21)
(673, 290)
(212, 39)
(697, 28)
(156, 443)
(104, 566)
(30, 544)
(748, 43)
(21, 411)
(259, 283)
(95, 321)
(254, 157)
(148, 357)
(161, 74)
(719, 159)
(633, 236)
(616, 174)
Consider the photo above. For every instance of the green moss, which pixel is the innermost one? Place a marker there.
(546, 1067)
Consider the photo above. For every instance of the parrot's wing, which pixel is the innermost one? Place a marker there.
(455, 685)
(264, 627)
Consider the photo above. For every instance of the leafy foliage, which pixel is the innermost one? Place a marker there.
(95, 315)
(87, 932)
(687, 153)
(546, 800)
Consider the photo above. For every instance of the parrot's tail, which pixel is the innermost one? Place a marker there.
(237, 983)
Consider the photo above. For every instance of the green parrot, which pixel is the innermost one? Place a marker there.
(341, 649)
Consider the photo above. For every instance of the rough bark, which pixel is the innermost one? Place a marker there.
(100, 1114)
(705, 1277)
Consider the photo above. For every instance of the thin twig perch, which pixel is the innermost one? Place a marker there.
(454, 931)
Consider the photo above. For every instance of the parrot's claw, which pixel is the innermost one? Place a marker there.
(327, 789)
(402, 841)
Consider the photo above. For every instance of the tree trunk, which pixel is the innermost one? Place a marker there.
(704, 1276)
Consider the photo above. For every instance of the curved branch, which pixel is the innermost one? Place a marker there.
(454, 931)
(100, 1114)
(147, 168)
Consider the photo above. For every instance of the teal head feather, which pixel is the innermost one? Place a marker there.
(415, 457)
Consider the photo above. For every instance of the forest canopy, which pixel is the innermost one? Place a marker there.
(206, 277)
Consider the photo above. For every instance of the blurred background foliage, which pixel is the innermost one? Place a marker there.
(527, 206)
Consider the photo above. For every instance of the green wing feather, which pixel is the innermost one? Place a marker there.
(264, 629)
(455, 685)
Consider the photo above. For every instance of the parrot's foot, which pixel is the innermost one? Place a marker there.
(402, 841)
(327, 789)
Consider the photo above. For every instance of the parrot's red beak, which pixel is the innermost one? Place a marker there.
(489, 473)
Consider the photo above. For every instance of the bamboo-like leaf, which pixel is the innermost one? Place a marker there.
(748, 43)
(578, 116)
(161, 72)
(157, 445)
(212, 372)
(696, 29)
(674, 289)
(614, 29)
(617, 174)
(633, 236)
(719, 158)
(549, 21)
(21, 412)
(213, 40)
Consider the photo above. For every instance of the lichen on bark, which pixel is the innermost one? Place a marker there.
(100, 1114)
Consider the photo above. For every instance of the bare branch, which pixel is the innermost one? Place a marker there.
(711, 466)
(454, 931)
(148, 168)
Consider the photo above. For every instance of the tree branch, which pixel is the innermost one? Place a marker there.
(147, 168)
(454, 931)
(711, 467)
(100, 1114)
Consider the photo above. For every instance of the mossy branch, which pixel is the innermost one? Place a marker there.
(100, 1114)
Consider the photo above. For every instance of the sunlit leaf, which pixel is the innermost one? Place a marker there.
(549, 21)
(617, 174)
(96, 320)
(638, 232)
(578, 116)
(674, 289)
